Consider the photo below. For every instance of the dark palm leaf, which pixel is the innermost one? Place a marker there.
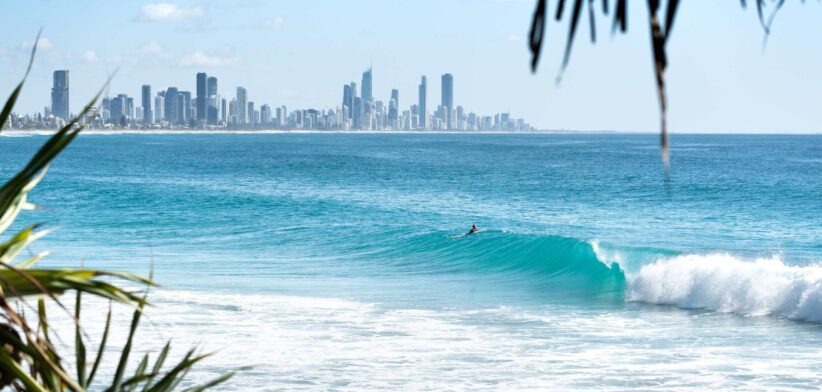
(660, 33)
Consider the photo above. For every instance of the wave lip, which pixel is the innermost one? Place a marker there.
(724, 283)
(566, 264)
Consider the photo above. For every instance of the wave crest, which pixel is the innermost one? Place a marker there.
(724, 283)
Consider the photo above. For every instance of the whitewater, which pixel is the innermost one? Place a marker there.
(336, 261)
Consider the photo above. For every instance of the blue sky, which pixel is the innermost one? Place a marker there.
(300, 53)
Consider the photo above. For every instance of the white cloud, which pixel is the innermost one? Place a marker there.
(163, 12)
(42, 44)
(274, 23)
(513, 38)
(90, 57)
(200, 59)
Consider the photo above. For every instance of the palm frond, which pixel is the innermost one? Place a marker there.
(28, 360)
(660, 33)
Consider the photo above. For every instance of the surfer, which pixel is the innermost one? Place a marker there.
(473, 230)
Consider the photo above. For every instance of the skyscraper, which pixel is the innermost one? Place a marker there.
(213, 103)
(346, 103)
(422, 122)
(202, 97)
(242, 103)
(393, 108)
(265, 114)
(356, 113)
(148, 118)
(129, 107)
(171, 113)
(118, 110)
(159, 107)
(223, 111)
(211, 86)
(448, 99)
(60, 95)
(367, 96)
(185, 109)
(395, 95)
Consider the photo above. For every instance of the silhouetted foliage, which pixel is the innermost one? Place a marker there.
(660, 32)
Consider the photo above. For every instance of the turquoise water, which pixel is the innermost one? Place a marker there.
(336, 261)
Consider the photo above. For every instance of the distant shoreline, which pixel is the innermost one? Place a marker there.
(21, 133)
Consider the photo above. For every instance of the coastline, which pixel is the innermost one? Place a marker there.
(41, 132)
(18, 132)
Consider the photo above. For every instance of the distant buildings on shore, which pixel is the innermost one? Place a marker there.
(173, 108)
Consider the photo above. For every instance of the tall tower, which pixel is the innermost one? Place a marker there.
(159, 107)
(184, 107)
(242, 105)
(172, 115)
(211, 86)
(147, 114)
(357, 113)
(448, 98)
(223, 111)
(346, 102)
(202, 97)
(367, 78)
(394, 107)
(422, 109)
(60, 95)
(213, 101)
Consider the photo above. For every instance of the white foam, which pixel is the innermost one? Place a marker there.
(310, 343)
(724, 283)
(609, 258)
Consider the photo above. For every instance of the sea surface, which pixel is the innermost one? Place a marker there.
(337, 261)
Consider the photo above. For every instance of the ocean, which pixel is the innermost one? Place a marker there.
(338, 261)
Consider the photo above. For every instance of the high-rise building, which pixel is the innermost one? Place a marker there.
(172, 114)
(346, 103)
(159, 107)
(367, 96)
(232, 112)
(223, 111)
(265, 114)
(213, 104)
(60, 95)
(147, 114)
(185, 107)
(422, 120)
(242, 103)
(357, 113)
(393, 107)
(129, 107)
(250, 112)
(202, 97)
(448, 99)
(211, 87)
(118, 110)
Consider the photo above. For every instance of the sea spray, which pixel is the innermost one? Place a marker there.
(724, 283)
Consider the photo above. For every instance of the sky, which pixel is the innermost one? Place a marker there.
(300, 53)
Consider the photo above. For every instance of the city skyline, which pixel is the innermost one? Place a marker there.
(176, 108)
